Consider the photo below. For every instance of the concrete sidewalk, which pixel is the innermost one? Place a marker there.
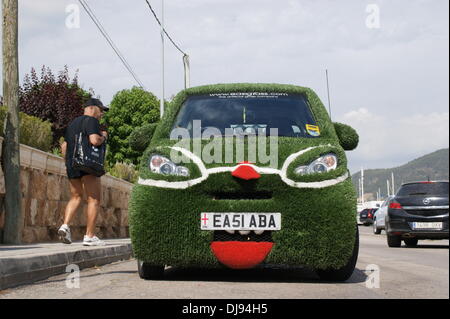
(26, 264)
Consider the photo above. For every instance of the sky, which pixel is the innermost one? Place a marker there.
(388, 60)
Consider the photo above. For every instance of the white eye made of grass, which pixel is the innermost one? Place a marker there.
(323, 164)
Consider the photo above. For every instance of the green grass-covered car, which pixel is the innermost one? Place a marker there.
(238, 175)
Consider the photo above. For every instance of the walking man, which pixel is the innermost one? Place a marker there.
(79, 180)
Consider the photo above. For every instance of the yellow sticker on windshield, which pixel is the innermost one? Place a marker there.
(313, 130)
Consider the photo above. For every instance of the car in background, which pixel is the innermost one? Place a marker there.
(366, 216)
(419, 210)
(380, 216)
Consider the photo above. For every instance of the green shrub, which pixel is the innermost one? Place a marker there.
(33, 131)
(57, 151)
(129, 109)
(140, 138)
(124, 171)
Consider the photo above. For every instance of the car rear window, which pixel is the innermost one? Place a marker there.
(425, 188)
(250, 113)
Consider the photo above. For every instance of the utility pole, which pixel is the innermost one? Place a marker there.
(14, 218)
(161, 107)
(362, 185)
(393, 184)
(388, 191)
(359, 191)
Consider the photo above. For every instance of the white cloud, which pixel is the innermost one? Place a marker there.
(388, 141)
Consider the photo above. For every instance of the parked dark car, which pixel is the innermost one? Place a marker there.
(366, 216)
(419, 210)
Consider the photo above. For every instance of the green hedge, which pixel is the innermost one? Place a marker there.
(33, 131)
(140, 138)
(124, 171)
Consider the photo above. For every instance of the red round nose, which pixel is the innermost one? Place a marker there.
(245, 172)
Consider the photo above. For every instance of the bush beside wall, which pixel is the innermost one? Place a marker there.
(33, 131)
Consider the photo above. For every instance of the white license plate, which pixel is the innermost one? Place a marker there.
(240, 221)
(427, 225)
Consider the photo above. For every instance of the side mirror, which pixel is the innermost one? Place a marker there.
(140, 138)
(348, 138)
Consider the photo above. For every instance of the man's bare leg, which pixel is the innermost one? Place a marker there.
(76, 196)
(92, 188)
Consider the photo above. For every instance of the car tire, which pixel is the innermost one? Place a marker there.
(376, 230)
(344, 273)
(394, 241)
(411, 242)
(148, 271)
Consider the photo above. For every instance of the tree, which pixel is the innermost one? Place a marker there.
(58, 100)
(129, 109)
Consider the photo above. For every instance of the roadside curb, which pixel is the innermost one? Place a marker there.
(29, 268)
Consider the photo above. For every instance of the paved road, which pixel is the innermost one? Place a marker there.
(421, 272)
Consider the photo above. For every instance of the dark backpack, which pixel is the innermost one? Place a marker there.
(87, 157)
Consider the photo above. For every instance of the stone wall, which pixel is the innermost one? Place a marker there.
(45, 193)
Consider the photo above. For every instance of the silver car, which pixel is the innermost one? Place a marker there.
(379, 223)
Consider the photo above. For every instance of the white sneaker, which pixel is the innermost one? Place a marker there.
(93, 241)
(64, 234)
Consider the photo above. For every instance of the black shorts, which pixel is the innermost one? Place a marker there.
(74, 173)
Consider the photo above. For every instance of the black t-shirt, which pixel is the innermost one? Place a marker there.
(91, 126)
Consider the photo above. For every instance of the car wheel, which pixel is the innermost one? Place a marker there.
(148, 271)
(344, 273)
(394, 241)
(411, 242)
(376, 230)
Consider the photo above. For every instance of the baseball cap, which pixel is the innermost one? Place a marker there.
(95, 102)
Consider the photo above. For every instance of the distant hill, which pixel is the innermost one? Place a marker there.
(434, 166)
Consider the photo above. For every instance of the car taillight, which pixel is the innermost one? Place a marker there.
(395, 206)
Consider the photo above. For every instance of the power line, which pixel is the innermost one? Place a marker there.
(110, 41)
(159, 22)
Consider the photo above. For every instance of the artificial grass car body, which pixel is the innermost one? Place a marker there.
(294, 214)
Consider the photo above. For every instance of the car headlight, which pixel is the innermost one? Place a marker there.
(161, 165)
(323, 164)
